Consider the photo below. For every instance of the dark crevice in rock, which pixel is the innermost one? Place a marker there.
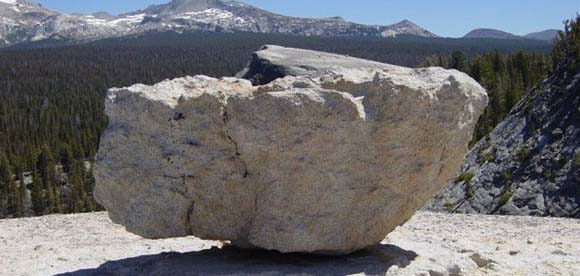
(245, 172)
(184, 194)
(260, 71)
(177, 116)
(189, 213)
(459, 204)
(188, 218)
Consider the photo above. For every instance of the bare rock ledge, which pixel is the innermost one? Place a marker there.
(328, 154)
(429, 244)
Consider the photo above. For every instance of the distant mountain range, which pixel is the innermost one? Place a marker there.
(26, 21)
(547, 35)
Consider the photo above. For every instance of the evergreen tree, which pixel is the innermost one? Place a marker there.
(442, 61)
(66, 158)
(47, 169)
(37, 195)
(5, 182)
(90, 203)
(76, 203)
(499, 66)
(46, 166)
(458, 61)
(568, 44)
(22, 196)
(13, 197)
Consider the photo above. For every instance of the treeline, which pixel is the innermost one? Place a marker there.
(404, 50)
(506, 77)
(52, 108)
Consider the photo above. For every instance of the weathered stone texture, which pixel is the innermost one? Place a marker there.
(328, 157)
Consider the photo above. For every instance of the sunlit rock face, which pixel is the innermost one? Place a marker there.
(324, 153)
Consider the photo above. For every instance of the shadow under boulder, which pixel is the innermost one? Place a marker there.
(230, 260)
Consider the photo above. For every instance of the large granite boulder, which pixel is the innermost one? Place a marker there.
(327, 155)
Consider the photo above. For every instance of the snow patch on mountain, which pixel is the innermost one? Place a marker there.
(211, 16)
(11, 2)
(131, 19)
(95, 21)
(209, 13)
(8, 21)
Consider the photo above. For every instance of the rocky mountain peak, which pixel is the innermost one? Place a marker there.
(406, 22)
(409, 28)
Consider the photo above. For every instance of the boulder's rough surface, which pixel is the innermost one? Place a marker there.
(328, 155)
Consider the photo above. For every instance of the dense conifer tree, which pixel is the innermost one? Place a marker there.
(458, 61)
(5, 183)
(77, 194)
(46, 167)
(22, 196)
(66, 158)
(37, 195)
